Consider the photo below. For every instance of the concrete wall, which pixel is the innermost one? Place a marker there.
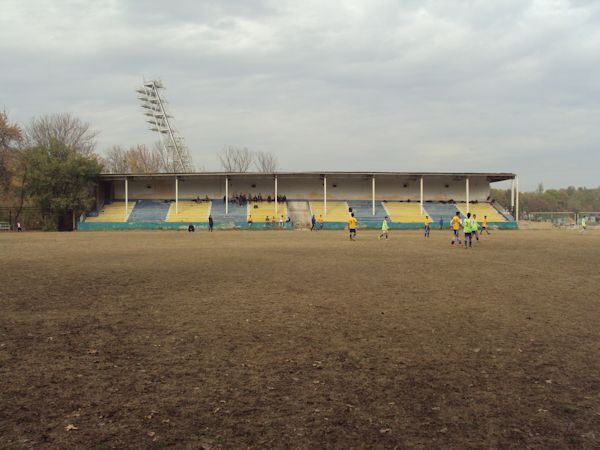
(338, 188)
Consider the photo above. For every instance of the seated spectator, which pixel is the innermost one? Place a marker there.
(269, 198)
(284, 198)
(268, 220)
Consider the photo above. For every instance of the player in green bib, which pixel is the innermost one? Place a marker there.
(468, 230)
(384, 228)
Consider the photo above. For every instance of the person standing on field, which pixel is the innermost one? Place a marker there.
(352, 227)
(474, 227)
(384, 228)
(455, 225)
(210, 223)
(427, 226)
(468, 230)
(583, 225)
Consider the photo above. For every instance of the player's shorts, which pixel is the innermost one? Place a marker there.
(467, 235)
(352, 230)
(427, 227)
(483, 228)
(455, 232)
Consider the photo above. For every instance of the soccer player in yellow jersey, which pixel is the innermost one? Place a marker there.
(455, 225)
(426, 223)
(484, 226)
(352, 227)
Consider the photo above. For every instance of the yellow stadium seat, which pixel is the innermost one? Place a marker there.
(189, 212)
(113, 212)
(480, 210)
(404, 212)
(261, 210)
(336, 211)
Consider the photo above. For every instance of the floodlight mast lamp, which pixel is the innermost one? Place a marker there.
(178, 156)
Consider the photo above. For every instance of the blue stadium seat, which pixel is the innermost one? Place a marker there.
(237, 213)
(149, 211)
(437, 210)
(363, 211)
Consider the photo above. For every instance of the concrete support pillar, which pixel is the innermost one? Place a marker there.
(512, 196)
(373, 194)
(275, 195)
(421, 195)
(126, 199)
(176, 195)
(226, 195)
(467, 188)
(325, 195)
(516, 199)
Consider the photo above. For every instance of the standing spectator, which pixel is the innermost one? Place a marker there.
(441, 222)
(249, 220)
(210, 223)
(281, 222)
(19, 228)
(313, 222)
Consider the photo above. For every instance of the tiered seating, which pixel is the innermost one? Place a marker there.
(237, 213)
(336, 211)
(113, 212)
(363, 210)
(482, 209)
(261, 210)
(445, 211)
(149, 211)
(189, 212)
(405, 212)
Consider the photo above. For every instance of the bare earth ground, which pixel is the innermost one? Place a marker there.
(299, 340)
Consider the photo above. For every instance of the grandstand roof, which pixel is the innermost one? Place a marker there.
(492, 177)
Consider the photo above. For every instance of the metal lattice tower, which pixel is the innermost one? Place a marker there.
(177, 155)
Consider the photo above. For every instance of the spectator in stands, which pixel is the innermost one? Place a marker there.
(206, 199)
(249, 220)
(269, 198)
(281, 222)
(321, 221)
(313, 222)
(210, 223)
(268, 220)
(284, 198)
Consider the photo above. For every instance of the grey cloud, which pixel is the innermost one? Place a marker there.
(362, 85)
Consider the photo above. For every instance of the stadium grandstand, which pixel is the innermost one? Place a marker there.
(160, 200)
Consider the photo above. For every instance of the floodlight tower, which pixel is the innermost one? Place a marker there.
(177, 156)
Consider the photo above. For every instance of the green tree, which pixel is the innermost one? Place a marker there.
(60, 179)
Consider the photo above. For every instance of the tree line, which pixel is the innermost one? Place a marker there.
(570, 199)
(52, 163)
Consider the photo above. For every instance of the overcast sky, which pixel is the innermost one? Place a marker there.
(461, 85)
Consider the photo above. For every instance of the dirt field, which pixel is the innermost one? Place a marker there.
(299, 340)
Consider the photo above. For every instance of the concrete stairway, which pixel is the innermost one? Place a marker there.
(299, 212)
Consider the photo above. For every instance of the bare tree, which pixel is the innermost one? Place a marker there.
(265, 162)
(143, 160)
(115, 160)
(235, 159)
(137, 159)
(65, 128)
